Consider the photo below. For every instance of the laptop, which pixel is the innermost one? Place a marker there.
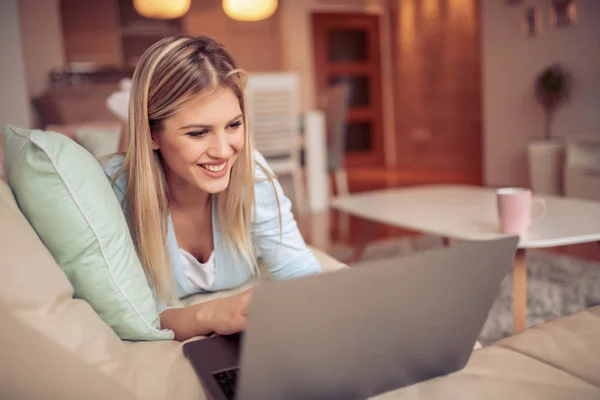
(361, 331)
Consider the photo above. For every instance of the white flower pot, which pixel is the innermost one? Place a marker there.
(546, 162)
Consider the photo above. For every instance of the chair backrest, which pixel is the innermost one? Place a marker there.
(335, 107)
(582, 168)
(273, 106)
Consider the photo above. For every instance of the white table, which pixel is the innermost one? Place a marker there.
(469, 213)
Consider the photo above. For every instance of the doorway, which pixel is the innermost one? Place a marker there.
(347, 48)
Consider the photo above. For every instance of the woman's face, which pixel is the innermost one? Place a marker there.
(201, 142)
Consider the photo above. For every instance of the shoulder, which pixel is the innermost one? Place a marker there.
(265, 181)
(269, 198)
(262, 171)
(112, 164)
(110, 167)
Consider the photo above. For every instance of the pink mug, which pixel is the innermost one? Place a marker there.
(515, 209)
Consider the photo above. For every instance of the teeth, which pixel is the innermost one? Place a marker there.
(214, 168)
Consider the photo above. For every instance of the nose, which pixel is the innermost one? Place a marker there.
(220, 147)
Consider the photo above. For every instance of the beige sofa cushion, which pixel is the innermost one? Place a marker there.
(571, 344)
(39, 369)
(556, 360)
(37, 292)
(494, 373)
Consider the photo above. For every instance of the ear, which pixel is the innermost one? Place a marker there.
(155, 145)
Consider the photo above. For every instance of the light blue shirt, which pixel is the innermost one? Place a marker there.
(284, 252)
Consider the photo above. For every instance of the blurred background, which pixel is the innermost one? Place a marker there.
(409, 91)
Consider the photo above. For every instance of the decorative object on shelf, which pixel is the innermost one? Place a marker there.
(552, 89)
(162, 9)
(563, 13)
(532, 23)
(249, 10)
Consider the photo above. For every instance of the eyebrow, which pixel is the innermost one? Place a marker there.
(210, 126)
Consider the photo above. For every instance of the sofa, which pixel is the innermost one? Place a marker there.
(54, 346)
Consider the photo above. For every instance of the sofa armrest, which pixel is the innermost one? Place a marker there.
(328, 263)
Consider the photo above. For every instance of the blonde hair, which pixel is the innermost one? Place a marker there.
(169, 73)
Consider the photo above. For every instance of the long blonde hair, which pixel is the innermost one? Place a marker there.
(169, 73)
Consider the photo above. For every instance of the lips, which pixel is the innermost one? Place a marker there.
(214, 167)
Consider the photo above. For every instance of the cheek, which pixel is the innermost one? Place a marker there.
(180, 153)
(237, 141)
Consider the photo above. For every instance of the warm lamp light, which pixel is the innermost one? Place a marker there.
(249, 10)
(162, 9)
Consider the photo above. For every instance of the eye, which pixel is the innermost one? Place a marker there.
(234, 125)
(198, 133)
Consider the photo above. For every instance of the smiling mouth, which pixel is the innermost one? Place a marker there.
(213, 167)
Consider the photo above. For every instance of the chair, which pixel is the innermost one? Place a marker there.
(582, 168)
(273, 106)
(334, 105)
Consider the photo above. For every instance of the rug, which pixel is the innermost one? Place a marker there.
(557, 285)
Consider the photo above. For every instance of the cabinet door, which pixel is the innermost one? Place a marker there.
(90, 31)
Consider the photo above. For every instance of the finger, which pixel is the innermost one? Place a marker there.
(245, 307)
(244, 303)
(240, 323)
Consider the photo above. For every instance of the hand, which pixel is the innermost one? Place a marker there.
(225, 316)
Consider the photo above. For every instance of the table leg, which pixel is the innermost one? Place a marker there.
(520, 292)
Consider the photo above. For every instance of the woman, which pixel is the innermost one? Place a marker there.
(201, 204)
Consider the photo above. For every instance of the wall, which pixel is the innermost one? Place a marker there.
(89, 29)
(255, 45)
(13, 88)
(510, 65)
(297, 47)
(437, 85)
(42, 42)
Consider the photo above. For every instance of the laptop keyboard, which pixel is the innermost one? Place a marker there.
(227, 381)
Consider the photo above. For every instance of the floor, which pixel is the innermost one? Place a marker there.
(323, 230)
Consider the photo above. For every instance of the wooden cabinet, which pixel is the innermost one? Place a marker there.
(109, 32)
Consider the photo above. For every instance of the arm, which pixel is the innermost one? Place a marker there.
(182, 321)
(222, 316)
(278, 241)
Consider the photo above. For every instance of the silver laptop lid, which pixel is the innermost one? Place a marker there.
(373, 328)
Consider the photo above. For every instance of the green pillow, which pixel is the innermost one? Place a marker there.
(67, 198)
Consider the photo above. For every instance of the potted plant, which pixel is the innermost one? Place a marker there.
(552, 89)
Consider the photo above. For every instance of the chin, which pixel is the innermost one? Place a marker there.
(216, 186)
(212, 189)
